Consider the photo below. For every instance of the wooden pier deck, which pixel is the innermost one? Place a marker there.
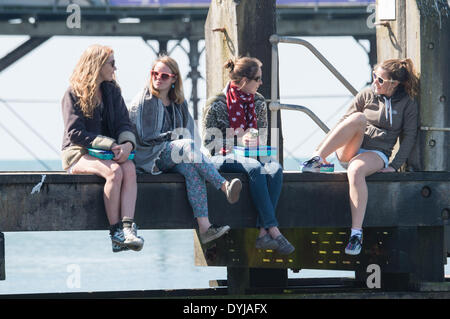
(406, 231)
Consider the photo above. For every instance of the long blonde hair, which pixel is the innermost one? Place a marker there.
(84, 77)
(176, 93)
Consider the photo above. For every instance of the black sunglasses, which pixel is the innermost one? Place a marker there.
(113, 63)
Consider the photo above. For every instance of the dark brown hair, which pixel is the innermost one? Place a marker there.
(402, 70)
(242, 67)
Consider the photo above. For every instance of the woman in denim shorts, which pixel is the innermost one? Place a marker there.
(364, 138)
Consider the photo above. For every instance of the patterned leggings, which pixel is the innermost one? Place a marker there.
(195, 167)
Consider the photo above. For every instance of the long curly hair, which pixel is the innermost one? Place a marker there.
(84, 77)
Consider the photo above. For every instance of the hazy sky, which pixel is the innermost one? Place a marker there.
(34, 86)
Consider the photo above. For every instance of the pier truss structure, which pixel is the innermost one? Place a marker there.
(165, 20)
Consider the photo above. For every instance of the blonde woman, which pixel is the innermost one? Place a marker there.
(165, 132)
(95, 116)
(365, 137)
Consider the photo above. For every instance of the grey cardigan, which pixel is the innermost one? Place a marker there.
(154, 130)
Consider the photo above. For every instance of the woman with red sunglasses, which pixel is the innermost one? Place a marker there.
(364, 138)
(165, 143)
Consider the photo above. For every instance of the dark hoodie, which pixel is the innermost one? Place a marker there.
(380, 134)
(108, 125)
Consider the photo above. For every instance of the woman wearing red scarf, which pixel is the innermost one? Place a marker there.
(236, 112)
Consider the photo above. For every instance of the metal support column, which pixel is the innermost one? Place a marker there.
(194, 74)
(162, 46)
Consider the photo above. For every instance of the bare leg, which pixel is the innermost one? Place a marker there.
(112, 173)
(129, 190)
(345, 139)
(359, 167)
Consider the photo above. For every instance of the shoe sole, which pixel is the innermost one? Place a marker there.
(118, 242)
(273, 247)
(267, 245)
(133, 246)
(286, 252)
(120, 246)
(310, 170)
(218, 235)
(352, 253)
(118, 250)
(236, 187)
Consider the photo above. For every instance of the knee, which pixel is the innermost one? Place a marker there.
(254, 170)
(186, 148)
(254, 167)
(278, 168)
(274, 169)
(358, 119)
(128, 170)
(115, 173)
(355, 173)
(187, 170)
(185, 144)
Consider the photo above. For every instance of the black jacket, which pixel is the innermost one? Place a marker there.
(82, 131)
(101, 131)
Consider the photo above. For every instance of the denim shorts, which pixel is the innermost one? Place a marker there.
(363, 150)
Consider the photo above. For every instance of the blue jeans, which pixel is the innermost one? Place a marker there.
(265, 186)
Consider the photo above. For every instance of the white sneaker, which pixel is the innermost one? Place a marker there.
(132, 240)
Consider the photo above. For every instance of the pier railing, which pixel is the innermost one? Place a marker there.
(275, 104)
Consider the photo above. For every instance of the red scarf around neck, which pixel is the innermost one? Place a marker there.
(241, 109)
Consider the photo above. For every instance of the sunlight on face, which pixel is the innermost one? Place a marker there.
(159, 83)
(387, 87)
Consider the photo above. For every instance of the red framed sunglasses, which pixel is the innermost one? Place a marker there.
(162, 75)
